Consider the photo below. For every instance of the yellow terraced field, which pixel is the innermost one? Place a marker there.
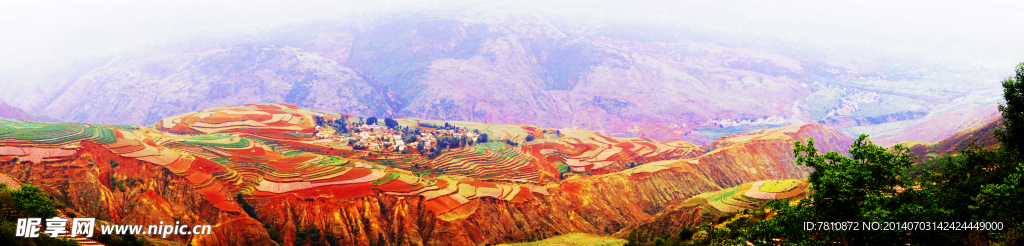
(745, 196)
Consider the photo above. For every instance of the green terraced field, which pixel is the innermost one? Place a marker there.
(731, 200)
(55, 133)
(719, 195)
(222, 160)
(386, 179)
(217, 140)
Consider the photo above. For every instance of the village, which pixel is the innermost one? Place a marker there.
(368, 135)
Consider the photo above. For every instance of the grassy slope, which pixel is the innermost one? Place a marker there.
(981, 136)
(575, 239)
(930, 154)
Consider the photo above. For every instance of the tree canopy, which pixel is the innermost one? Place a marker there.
(980, 185)
(390, 123)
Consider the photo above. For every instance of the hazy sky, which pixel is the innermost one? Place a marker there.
(962, 33)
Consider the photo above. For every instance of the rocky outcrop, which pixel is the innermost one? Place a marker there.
(669, 222)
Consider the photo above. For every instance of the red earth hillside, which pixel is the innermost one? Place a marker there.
(304, 177)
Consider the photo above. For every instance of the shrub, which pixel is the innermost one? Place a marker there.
(248, 208)
(636, 236)
(660, 242)
(409, 138)
(35, 201)
(686, 234)
(274, 235)
(562, 168)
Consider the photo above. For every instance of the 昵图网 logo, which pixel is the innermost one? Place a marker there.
(59, 227)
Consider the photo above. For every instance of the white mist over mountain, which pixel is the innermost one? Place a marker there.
(74, 59)
(962, 33)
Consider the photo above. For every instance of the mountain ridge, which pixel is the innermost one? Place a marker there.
(10, 112)
(469, 68)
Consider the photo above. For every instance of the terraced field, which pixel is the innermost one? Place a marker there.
(267, 152)
(277, 121)
(717, 207)
(749, 195)
(585, 152)
(36, 133)
(252, 149)
(488, 161)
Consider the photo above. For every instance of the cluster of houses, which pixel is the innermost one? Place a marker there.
(379, 138)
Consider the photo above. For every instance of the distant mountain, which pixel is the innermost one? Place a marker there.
(7, 111)
(143, 90)
(483, 66)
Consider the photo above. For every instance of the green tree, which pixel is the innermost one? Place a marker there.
(983, 185)
(248, 208)
(637, 236)
(686, 234)
(865, 187)
(35, 201)
(390, 123)
(979, 185)
(274, 234)
(1002, 198)
(409, 138)
(7, 232)
(660, 242)
(1012, 137)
